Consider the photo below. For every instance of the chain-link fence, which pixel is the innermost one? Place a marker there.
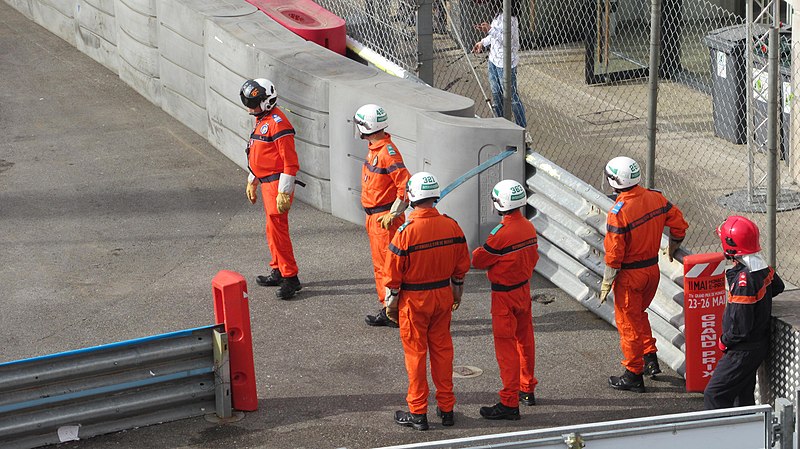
(582, 76)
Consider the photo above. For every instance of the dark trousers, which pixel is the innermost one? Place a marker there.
(734, 380)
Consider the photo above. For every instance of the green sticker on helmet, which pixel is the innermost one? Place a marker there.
(518, 196)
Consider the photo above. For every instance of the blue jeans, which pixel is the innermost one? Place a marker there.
(496, 83)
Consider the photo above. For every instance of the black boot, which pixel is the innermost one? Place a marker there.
(273, 279)
(527, 398)
(627, 381)
(500, 411)
(408, 419)
(288, 287)
(651, 367)
(380, 319)
(448, 418)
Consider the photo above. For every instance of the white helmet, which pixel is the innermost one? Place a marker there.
(422, 186)
(508, 194)
(370, 119)
(623, 172)
(259, 92)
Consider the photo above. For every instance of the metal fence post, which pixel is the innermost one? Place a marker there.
(425, 40)
(772, 136)
(652, 115)
(507, 59)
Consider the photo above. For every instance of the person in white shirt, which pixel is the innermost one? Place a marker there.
(494, 41)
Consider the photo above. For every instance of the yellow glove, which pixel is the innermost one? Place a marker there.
(608, 279)
(605, 289)
(386, 219)
(393, 314)
(284, 202)
(250, 190)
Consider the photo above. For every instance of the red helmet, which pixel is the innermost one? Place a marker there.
(739, 236)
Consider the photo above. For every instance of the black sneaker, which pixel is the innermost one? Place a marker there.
(408, 419)
(500, 411)
(627, 381)
(651, 367)
(288, 287)
(526, 398)
(380, 319)
(448, 418)
(273, 279)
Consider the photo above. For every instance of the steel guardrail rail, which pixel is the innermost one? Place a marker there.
(733, 428)
(102, 389)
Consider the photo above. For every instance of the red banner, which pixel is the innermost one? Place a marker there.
(704, 298)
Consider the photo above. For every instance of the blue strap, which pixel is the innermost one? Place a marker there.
(480, 168)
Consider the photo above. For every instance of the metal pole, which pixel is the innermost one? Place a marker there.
(507, 59)
(772, 136)
(425, 40)
(750, 102)
(652, 116)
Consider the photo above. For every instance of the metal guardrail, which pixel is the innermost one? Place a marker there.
(733, 428)
(570, 217)
(103, 389)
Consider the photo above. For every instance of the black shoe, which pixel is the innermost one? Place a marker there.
(651, 367)
(448, 418)
(627, 381)
(380, 319)
(500, 411)
(273, 279)
(408, 419)
(526, 398)
(288, 287)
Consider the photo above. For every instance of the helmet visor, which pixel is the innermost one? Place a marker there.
(252, 94)
(250, 102)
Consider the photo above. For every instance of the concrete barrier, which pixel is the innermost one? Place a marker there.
(97, 31)
(137, 43)
(58, 16)
(181, 44)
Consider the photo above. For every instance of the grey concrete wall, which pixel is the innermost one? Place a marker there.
(191, 56)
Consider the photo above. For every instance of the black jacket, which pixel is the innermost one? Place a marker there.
(746, 321)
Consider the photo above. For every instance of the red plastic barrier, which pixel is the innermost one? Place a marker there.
(308, 20)
(704, 298)
(231, 307)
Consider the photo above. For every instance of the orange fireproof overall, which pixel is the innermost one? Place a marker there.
(510, 254)
(633, 237)
(383, 179)
(425, 254)
(270, 153)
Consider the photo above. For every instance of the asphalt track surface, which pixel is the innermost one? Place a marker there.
(114, 218)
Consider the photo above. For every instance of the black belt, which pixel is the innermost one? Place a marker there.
(270, 178)
(376, 209)
(641, 263)
(507, 288)
(426, 286)
(277, 176)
